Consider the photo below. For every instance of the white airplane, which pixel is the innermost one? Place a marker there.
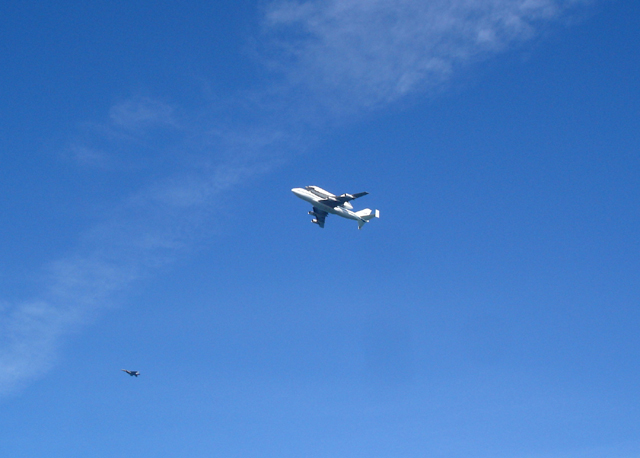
(324, 203)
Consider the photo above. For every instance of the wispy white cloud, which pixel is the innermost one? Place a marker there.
(148, 229)
(142, 112)
(363, 53)
(136, 131)
(86, 156)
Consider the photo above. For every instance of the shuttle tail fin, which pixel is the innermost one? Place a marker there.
(365, 215)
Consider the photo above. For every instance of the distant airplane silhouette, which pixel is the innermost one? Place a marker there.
(131, 373)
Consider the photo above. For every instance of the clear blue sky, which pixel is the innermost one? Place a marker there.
(147, 154)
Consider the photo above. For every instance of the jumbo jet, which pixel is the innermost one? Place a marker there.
(324, 203)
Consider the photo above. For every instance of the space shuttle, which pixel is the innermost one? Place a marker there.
(324, 202)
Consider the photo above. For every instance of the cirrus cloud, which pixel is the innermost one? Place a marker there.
(363, 53)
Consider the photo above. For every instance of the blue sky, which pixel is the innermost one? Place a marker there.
(147, 156)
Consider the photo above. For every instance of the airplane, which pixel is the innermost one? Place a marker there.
(324, 203)
(131, 373)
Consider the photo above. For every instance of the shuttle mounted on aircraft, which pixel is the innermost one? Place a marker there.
(324, 203)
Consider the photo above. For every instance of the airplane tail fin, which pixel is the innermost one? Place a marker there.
(366, 215)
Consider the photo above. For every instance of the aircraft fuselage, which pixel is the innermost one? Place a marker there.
(315, 195)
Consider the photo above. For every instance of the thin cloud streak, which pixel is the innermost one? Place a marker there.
(356, 54)
(148, 230)
(142, 112)
(152, 230)
(338, 56)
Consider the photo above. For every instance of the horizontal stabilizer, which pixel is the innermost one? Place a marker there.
(366, 215)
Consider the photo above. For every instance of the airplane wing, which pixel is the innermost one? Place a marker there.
(353, 196)
(320, 216)
(341, 199)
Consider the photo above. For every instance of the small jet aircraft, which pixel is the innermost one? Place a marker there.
(324, 203)
(131, 373)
